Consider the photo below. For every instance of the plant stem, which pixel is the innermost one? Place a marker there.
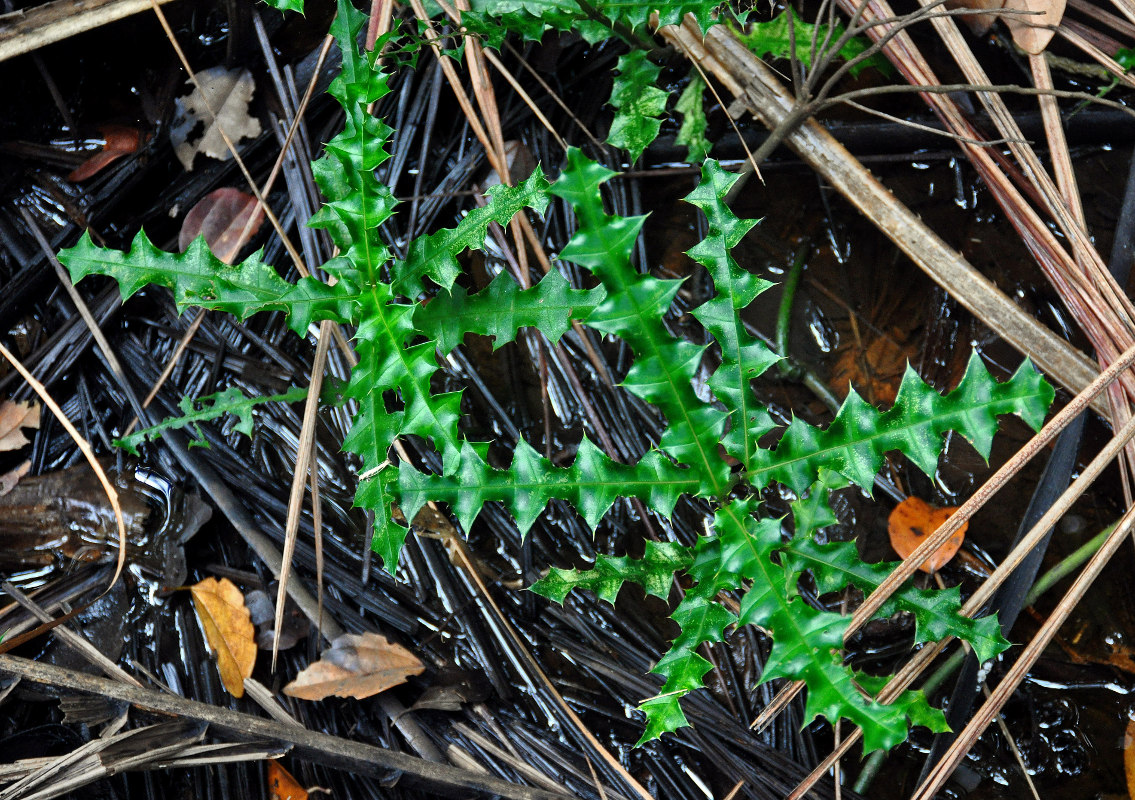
(784, 315)
(1069, 565)
(787, 368)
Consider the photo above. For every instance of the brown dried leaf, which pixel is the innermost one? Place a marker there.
(13, 416)
(228, 93)
(281, 784)
(228, 628)
(877, 369)
(1034, 29)
(221, 217)
(912, 521)
(355, 666)
(119, 140)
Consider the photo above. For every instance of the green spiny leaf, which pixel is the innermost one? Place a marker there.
(743, 357)
(835, 565)
(502, 307)
(663, 715)
(207, 409)
(664, 367)
(356, 202)
(377, 494)
(198, 278)
(286, 5)
(654, 572)
(434, 256)
(594, 20)
(387, 359)
(775, 38)
(806, 641)
(859, 437)
(391, 387)
(591, 484)
(638, 102)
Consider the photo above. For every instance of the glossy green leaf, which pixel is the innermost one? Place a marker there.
(654, 572)
(860, 436)
(664, 367)
(502, 307)
(743, 356)
(435, 256)
(398, 335)
(592, 484)
(835, 565)
(198, 278)
(594, 21)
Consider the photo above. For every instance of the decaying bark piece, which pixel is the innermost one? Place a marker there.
(29, 29)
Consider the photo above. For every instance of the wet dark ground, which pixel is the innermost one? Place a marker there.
(862, 311)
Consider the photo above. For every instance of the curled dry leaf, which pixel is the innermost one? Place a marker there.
(355, 666)
(221, 217)
(13, 416)
(118, 141)
(226, 92)
(228, 628)
(912, 521)
(281, 784)
(1033, 22)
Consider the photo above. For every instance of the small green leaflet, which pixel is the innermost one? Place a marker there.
(774, 38)
(694, 124)
(639, 103)
(207, 409)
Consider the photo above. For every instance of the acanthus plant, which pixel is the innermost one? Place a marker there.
(400, 342)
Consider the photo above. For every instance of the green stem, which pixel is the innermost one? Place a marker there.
(787, 368)
(1068, 565)
(784, 315)
(954, 662)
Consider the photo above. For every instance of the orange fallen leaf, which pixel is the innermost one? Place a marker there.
(228, 628)
(281, 784)
(221, 217)
(355, 666)
(912, 521)
(13, 416)
(120, 140)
